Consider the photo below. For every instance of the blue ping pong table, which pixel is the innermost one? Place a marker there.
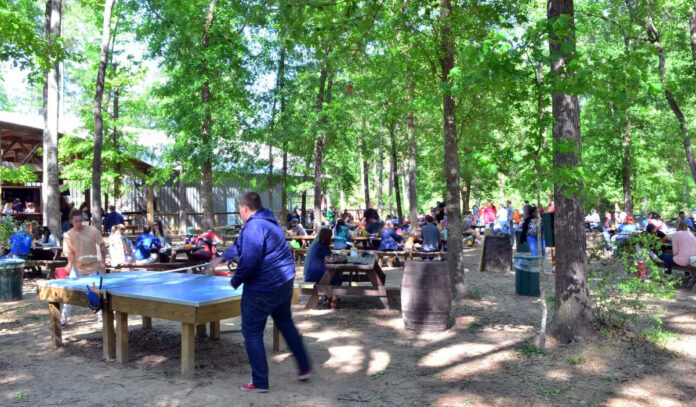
(192, 299)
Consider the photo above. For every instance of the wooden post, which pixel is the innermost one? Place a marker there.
(187, 350)
(215, 330)
(150, 204)
(108, 334)
(147, 323)
(121, 337)
(54, 315)
(278, 343)
(200, 331)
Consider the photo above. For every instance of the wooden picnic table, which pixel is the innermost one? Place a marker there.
(186, 249)
(356, 267)
(365, 240)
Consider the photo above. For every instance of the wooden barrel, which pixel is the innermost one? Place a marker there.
(426, 295)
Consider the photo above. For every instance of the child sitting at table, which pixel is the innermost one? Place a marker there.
(316, 266)
(390, 239)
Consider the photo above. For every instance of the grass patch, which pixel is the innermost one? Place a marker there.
(578, 360)
(527, 349)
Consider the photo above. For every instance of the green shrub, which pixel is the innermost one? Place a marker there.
(620, 294)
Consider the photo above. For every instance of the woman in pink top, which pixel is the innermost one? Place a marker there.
(683, 244)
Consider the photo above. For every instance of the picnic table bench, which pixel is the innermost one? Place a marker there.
(355, 268)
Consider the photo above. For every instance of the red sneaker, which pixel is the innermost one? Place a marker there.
(252, 388)
(304, 375)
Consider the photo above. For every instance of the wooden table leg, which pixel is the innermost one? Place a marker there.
(108, 334)
(187, 350)
(215, 330)
(278, 342)
(54, 316)
(147, 323)
(122, 337)
(200, 331)
(375, 276)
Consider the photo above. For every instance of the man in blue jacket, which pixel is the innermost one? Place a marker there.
(266, 268)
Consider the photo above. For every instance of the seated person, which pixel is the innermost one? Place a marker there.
(20, 244)
(626, 229)
(120, 250)
(593, 219)
(390, 239)
(683, 245)
(689, 222)
(341, 235)
(659, 223)
(296, 228)
(144, 244)
(47, 240)
(664, 256)
(30, 208)
(467, 226)
(532, 230)
(206, 243)
(410, 244)
(430, 235)
(315, 266)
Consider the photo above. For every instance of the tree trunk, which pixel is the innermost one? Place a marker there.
(51, 189)
(115, 139)
(321, 139)
(284, 180)
(97, 209)
(364, 172)
(397, 189)
(207, 179)
(391, 187)
(466, 194)
(380, 180)
(654, 38)
(411, 130)
(626, 167)
(573, 316)
(278, 89)
(183, 205)
(451, 159)
(692, 29)
(303, 210)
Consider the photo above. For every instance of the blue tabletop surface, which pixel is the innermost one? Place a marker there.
(177, 288)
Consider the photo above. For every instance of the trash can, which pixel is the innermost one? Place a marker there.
(521, 246)
(527, 275)
(11, 277)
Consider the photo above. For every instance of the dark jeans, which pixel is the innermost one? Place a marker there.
(256, 307)
(668, 261)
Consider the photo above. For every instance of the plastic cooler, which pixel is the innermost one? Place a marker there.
(527, 275)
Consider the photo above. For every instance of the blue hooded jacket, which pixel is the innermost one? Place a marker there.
(389, 240)
(265, 260)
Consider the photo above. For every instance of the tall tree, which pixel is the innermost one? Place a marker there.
(451, 156)
(411, 129)
(573, 315)
(207, 179)
(50, 194)
(98, 121)
(395, 169)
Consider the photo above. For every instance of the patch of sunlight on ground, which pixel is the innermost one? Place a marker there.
(643, 394)
(307, 325)
(13, 378)
(379, 361)
(393, 323)
(558, 375)
(330, 334)
(453, 353)
(458, 400)
(481, 364)
(346, 359)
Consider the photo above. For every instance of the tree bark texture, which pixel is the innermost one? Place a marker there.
(573, 316)
(411, 130)
(183, 205)
(115, 138)
(380, 179)
(96, 203)
(207, 176)
(51, 187)
(391, 187)
(397, 189)
(451, 158)
(626, 167)
(284, 170)
(692, 30)
(272, 137)
(320, 140)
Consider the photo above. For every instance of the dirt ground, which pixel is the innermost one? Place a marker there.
(361, 356)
